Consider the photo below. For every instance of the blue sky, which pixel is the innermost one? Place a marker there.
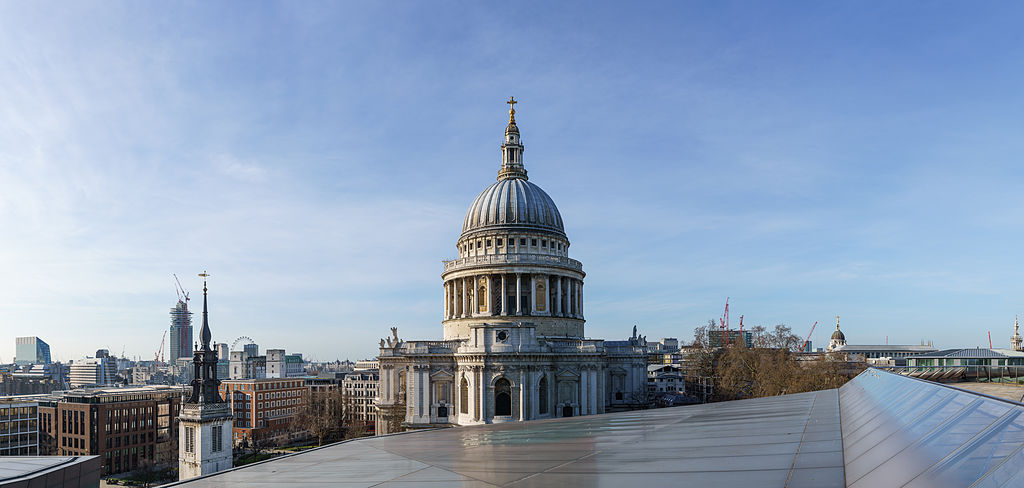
(806, 159)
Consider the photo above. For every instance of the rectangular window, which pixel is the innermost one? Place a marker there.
(499, 241)
(488, 243)
(543, 243)
(190, 439)
(533, 242)
(522, 241)
(218, 432)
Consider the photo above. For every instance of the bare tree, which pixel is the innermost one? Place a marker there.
(320, 414)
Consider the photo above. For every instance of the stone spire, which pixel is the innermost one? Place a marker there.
(1016, 342)
(205, 334)
(204, 363)
(512, 149)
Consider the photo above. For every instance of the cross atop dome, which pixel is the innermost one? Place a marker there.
(512, 109)
(512, 149)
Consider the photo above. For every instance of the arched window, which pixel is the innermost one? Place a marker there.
(543, 390)
(502, 397)
(464, 396)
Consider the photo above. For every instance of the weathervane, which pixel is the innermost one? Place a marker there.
(204, 275)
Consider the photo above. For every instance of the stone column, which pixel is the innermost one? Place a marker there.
(490, 300)
(482, 407)
(593, 390)
(519, 294)
(547, 294)
(504, 297)
(465, 299)
(583, 391)
(447, 302)
(570, 300)
(558, 296)
(522, 394)
(474, 305)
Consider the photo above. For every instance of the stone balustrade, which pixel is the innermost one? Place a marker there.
(492, 259)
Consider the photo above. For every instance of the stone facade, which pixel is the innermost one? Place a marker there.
(513, 324)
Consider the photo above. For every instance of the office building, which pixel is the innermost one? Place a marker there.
(95, 371)
(19, 427)
(126, 427)
(31, 350)
(262, 407)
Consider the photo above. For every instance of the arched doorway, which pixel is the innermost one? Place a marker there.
(502, 397)
(567, 411)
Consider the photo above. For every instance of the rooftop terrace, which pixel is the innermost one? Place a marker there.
(880, 429)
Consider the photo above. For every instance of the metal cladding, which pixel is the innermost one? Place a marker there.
(513, 202)
(899, 431)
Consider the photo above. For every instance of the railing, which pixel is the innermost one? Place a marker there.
(988, 373)
(489, 259)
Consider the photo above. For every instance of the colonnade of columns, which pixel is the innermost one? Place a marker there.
(529, 294)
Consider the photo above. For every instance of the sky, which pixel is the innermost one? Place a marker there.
(803, 159)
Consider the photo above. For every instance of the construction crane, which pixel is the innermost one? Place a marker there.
(741, 330)
(724, 321)
(182, 294)
(803, 348)
(990, 339)
(159, 356)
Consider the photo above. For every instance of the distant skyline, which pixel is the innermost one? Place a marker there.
(805, 159)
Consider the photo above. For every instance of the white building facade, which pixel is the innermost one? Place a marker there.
(513, 322)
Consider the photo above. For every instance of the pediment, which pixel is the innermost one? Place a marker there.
(566, 374)
(442, 375)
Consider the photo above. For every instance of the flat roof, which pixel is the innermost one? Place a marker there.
(759, 442)
(49, 470)
(879, 429)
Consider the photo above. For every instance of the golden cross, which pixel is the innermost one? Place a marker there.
(203, 275)
(512, 102)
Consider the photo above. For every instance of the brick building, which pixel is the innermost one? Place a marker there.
(262, 408)
(126, 427)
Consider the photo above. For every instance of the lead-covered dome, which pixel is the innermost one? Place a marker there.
(513, 202)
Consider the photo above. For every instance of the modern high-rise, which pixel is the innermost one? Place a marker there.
(31, 350)
(181, 332)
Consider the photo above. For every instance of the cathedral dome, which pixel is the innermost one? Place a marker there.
(838, 335)
(513, 202)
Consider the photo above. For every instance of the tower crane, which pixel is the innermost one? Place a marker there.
(159, 356)
(803, 348)
(182, 294)
(741, 330)
(724, 321)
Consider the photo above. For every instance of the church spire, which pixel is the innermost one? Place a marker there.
(205, 334)
(512, 149)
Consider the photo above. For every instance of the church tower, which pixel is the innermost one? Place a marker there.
(838, 339)
(1016, 343)
(204, 440)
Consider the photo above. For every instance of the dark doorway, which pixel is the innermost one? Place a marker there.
(442, 411)
(567, 411)
(618, 395)
(502, 397)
